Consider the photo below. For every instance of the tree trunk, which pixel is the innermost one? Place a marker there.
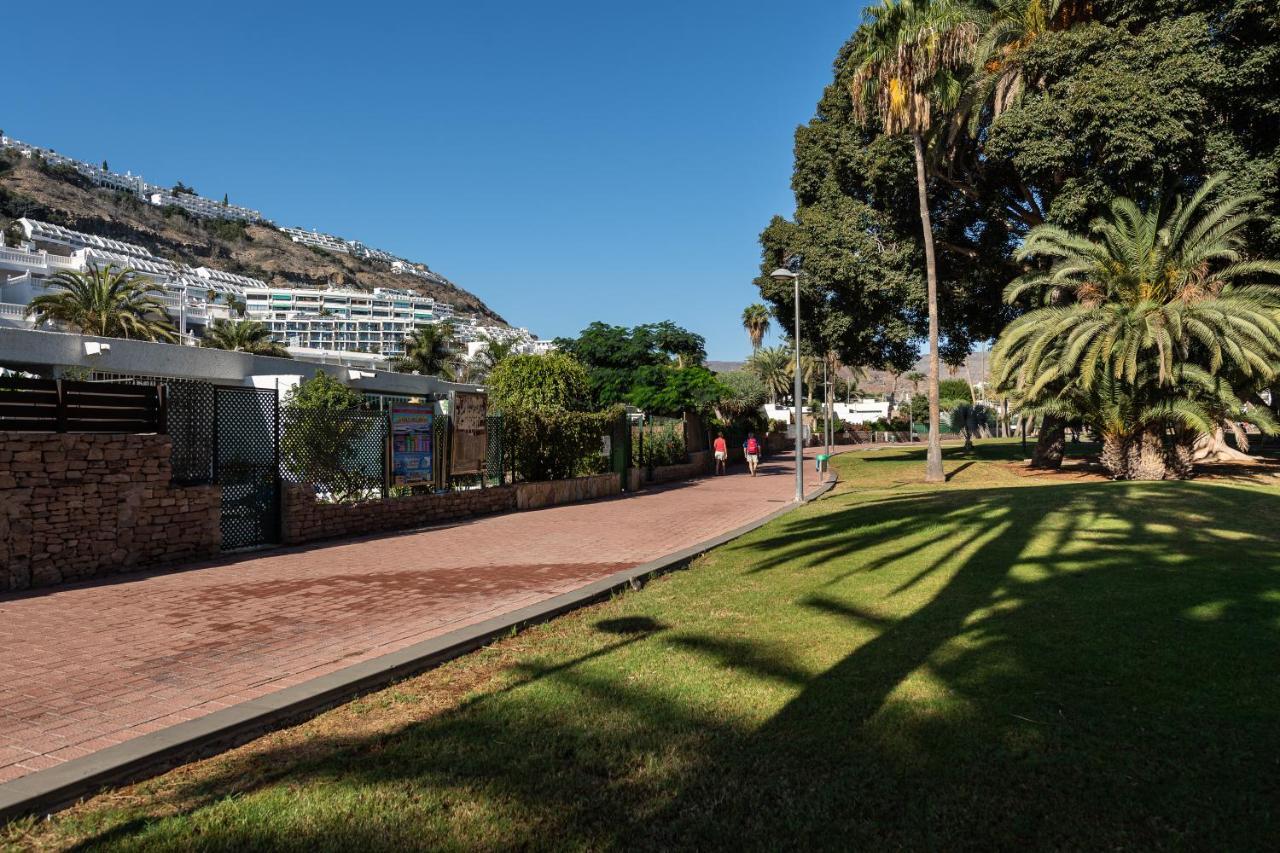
(1145, 456)
(1050, 443)
(1214, 448)
(933, 472)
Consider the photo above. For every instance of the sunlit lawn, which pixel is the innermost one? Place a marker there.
(1003, 662)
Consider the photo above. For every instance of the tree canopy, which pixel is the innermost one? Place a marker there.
(1118, 98)
(657, 367)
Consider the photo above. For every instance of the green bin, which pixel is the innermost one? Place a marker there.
(822, 462)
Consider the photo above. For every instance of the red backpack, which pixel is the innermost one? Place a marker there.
(753, 447)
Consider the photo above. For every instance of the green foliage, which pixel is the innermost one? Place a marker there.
(772, 366)
(182, 189)
(556, 444)
(656, 367)
(553, 382)
(655, 445)
(954, 389)
(243, 336)
(231, 230)
(429, 351)
(106, 301)
(742, 393)
(755, 320)
(1156, 326)
(494, 352)
(330, 443)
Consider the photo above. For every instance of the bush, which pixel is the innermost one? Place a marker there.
(556, 445)
(330, 443)
(551, 382)
(655, 446)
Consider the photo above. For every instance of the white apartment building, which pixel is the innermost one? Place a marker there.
(343, 320)
(129, 182)
(328, 242)
(198, 205)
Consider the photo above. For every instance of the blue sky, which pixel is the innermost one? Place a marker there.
(566, 162)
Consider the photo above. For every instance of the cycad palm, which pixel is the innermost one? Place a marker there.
(106, 301)
(909, 66)
(243, 336)
(429, 351)
(772, 366)
(755, 320)
(1166, 333)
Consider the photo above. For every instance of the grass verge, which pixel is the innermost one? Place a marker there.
(1005, 661)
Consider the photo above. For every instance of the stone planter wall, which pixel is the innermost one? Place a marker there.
(79, 506)
(306, 519)
(552, 492)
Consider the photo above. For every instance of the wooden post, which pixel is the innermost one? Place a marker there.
(60, 416)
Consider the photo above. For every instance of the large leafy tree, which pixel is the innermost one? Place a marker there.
(1159, 333)
(107, 301)
(430, 351)
(243, 336)
(656, 367)
(1069, 105)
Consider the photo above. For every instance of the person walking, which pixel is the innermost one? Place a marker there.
(751, 449)
(722, 453)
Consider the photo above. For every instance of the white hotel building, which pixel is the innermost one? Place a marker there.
(315, 324)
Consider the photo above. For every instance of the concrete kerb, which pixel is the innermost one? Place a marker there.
(55, 788)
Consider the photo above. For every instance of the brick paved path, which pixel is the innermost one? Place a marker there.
(87, 666)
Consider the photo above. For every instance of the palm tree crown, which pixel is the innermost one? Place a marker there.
(108, 301)
(429, 351)
(755, 320)
(772, 366)
(243, 336)
(493, 353)
(1156, 326)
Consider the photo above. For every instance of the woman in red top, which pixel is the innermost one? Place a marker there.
(722, 453)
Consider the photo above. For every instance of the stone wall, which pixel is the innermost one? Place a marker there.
(552, 492)
(306, 519)
(80, 506)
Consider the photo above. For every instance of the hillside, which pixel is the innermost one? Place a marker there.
(66, 198)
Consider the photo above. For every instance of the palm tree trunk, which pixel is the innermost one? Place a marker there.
(933, 472)
(1051, 443)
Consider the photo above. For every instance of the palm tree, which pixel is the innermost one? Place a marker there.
(430, 351)
(494, 352)
(908, 65)
(1164, 338)
(772, 366)
(244, 336)
(1013, 27)
(106, 301)
(755, 319)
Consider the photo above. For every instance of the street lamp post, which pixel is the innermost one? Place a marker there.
(791, 272)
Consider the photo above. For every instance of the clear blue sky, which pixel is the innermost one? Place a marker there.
(567, 162)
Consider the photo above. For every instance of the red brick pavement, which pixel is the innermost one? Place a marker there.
(87, 666)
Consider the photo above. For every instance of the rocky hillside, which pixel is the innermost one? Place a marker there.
(64, 197)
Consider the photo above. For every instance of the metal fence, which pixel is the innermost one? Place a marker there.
(343, 456)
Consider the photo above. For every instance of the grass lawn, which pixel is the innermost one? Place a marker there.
(1003, 662)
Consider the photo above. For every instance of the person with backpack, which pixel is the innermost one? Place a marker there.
(751, 447)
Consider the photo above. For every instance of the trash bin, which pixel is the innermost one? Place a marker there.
(822, 462)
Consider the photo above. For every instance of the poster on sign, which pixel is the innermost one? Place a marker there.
(470, 437)
(411, 434)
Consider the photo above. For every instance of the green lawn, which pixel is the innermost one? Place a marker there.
(1003, 662)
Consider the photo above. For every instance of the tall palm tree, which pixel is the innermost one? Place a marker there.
(755, 319)
(772, 366)
(108, 301)
(1167, 332)
(243, 336)
(430, 351)
(908, 65)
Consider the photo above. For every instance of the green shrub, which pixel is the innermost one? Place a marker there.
(557, 445)
(551, 382)
(654, 446)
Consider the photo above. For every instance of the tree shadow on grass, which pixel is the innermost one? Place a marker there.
(1083, 666)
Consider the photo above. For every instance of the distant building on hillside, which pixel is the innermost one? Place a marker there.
(328, 242)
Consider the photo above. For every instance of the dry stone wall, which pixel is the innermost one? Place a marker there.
(79, 506)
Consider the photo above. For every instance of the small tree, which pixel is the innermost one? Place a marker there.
(324, 427)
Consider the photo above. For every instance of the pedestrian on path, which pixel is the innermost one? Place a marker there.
(722, 453)
(751, 448)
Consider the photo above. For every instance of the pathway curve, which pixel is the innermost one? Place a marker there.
(87, 666)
